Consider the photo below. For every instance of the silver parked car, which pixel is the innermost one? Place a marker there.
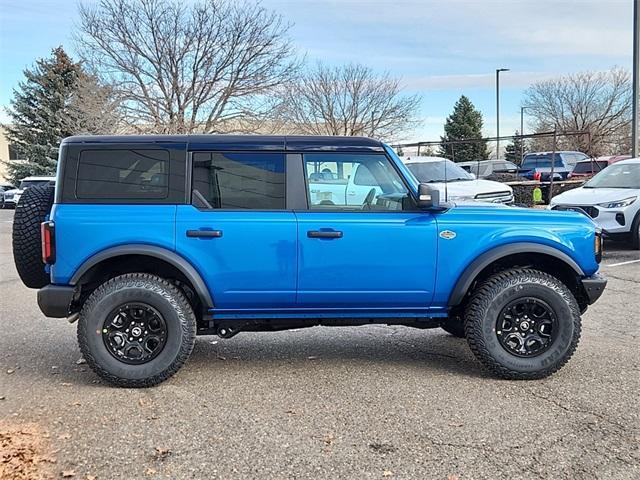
(12, 197)
(485, 168)
(611, 198)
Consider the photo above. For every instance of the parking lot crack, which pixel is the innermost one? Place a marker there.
(623, 279)
(574, 410)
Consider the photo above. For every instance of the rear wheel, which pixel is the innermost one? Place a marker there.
(523, 324)
(32, 209)
(136, 330)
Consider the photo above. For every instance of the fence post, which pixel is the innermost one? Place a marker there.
(553, 160)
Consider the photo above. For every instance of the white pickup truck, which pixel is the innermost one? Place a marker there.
(329, 188)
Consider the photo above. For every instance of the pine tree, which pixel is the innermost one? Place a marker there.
(514, 150)
(39, 114)
(464, 123)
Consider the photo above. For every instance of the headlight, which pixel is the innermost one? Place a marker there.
(618, 204)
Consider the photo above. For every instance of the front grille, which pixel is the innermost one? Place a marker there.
(495, 197)
(593, 212)
(590, 210)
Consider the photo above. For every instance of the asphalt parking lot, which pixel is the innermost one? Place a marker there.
(365, 402)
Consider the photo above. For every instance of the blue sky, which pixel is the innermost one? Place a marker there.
(439, 48)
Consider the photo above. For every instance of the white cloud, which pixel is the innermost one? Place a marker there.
(474, 80)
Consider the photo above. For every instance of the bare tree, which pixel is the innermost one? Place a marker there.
(347, 100)
(596, 102)
(95, 109)
(182, 67)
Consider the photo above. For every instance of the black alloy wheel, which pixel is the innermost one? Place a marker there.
(134, 333)
(525, 327)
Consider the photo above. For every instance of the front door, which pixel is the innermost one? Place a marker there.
(377, 253)
(237, 232)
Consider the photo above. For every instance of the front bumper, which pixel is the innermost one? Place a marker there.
(593, 287)
(55, 300)
(612, 220)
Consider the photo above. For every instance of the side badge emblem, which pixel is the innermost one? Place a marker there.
(447, 234)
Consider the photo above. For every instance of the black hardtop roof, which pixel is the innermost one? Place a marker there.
(240, 142)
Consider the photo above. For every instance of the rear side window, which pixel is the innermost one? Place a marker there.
(123, 174)
(239, 180)
(540, 161)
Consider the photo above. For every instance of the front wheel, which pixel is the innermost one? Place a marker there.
(635, 232)
(136, 330)
(523, 324)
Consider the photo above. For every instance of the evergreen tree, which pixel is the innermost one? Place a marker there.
(464, 123)
(514, 150)
(38, 115)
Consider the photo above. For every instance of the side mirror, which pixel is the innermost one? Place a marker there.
(473, 175)
(428, 197)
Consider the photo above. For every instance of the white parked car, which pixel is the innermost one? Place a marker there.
(611, 198)
(12, 197)
(455, 183)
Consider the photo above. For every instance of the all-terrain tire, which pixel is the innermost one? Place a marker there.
(151, 290)
(32, 209)
(500, 290)
(454, 326)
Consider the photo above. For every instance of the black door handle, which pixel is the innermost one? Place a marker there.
(324, 234)
(204, 233)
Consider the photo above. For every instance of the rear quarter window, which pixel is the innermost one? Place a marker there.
(123, 174)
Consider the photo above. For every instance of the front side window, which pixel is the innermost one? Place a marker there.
(239, 180)
(342, 181)
(123, 174)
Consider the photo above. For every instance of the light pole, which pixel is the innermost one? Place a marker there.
(522, 109)
(498, 70)
(635, 123)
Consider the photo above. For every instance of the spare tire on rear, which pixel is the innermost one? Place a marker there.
(32, 209)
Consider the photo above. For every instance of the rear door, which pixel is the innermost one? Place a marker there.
(237, 231)
(377, 254)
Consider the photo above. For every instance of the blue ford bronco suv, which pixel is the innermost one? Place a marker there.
(148, 241)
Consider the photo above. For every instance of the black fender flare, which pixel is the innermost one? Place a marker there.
(487, 258)
(164, 254)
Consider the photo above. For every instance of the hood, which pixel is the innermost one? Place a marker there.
(15, 191)
(470, 188)
(593, 196)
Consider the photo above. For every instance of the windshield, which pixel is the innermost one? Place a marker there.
(431, 172)
(32, 183)
(617, 176)
(590, 166)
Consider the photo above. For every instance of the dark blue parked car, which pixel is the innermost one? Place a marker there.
(564, 163)
(149, 241)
